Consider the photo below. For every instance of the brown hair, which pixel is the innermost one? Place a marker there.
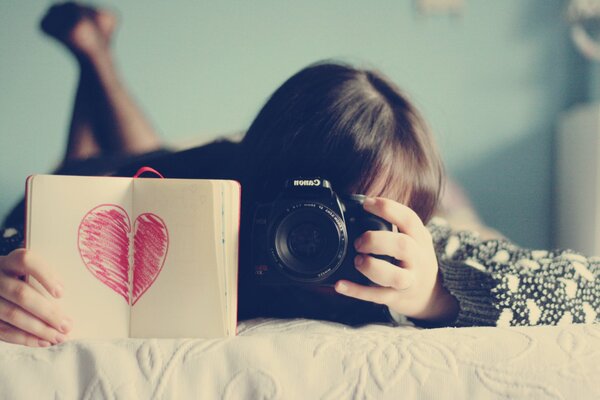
(351, 126)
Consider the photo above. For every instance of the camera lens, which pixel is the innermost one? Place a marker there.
(309, 242)
(306, 241)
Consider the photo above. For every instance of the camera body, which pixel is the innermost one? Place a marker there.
(306, 235)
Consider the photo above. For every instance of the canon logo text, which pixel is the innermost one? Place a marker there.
(307, 182)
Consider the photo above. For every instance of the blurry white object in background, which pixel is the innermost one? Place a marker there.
(578, 180)
(584, 17)
(440, 6)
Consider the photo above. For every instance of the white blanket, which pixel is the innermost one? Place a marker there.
(305, 359)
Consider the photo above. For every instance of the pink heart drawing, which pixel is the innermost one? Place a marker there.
(104, 240)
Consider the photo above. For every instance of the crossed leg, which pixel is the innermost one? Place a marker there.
(105, 119)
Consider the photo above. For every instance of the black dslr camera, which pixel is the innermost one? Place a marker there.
(306, 235)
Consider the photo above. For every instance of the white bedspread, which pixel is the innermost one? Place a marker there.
(305, 359)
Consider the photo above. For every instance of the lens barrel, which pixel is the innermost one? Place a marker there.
(310, 241)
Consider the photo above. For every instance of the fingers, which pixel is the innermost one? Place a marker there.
(22, 325)
(398, 245)
(10, 334)
(383, 273)
(398, 214)
(380, 295)
(25, 262)
(26, 315)
(23, 295)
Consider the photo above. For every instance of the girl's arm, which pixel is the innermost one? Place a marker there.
(499, 283)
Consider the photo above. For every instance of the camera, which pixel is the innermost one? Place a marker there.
(306, 235)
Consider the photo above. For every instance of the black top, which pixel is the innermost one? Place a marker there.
(212, 161)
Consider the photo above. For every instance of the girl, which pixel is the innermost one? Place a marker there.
(349, 125)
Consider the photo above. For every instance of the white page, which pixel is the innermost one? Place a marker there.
(218, 200)
(57, 205)
(230, 210)
(233, 251)
(185, 299)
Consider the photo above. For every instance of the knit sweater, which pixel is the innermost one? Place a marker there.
(495, 281)
(499, 283)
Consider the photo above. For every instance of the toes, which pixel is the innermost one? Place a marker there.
(82, 29)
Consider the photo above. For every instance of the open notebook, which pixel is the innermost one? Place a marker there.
(139, 257)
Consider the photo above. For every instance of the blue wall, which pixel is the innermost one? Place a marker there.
(491, 82)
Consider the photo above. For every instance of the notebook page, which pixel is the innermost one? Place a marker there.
(67, 225)
(233, 227)
(227, 209)
(218, 200)
(181, 297)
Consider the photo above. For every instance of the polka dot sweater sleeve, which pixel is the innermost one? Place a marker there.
(499, 283)
(10, 238)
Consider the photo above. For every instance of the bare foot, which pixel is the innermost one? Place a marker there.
(84, 30)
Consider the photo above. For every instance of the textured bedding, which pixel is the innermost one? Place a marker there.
(307, 359)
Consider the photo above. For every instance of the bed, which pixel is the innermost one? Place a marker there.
(309, 359)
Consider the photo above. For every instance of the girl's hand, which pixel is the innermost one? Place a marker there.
(413, 288)
(26, 316)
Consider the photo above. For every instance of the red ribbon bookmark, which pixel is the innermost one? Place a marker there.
(147, 169)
